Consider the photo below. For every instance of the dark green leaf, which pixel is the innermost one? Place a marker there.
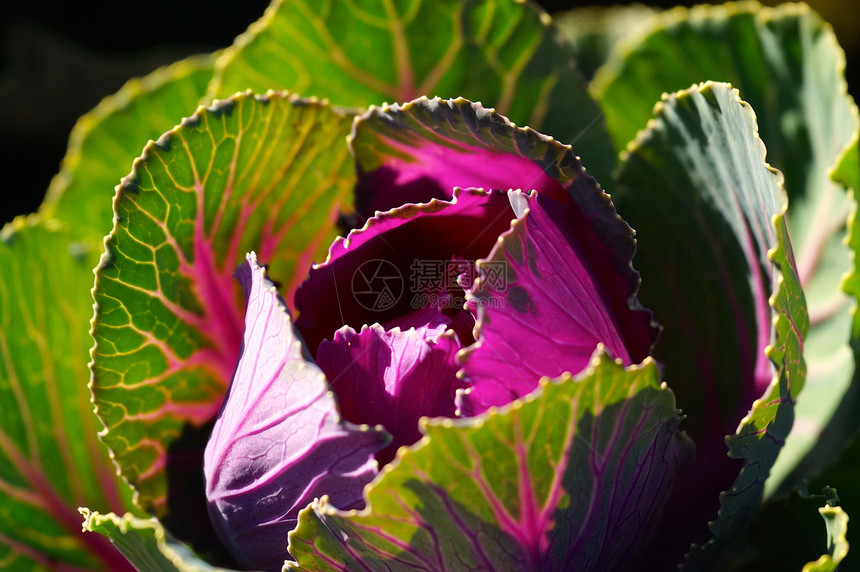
(787, 64)
(717, 271)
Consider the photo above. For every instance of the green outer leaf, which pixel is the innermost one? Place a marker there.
(795, 517)
(844, 472)
(251, 173)
(788, 65)
(105, 142)
(832, 383)
(847, 173)
(844, 475)
(709, 210)
(442, 503)
(592, 31)
(836, 522)
(145, 543)
(785, 61)
(500, 52)
(50, 457)
(763, 431)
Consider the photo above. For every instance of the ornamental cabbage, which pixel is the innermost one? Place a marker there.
(447, 346)
(334, 333)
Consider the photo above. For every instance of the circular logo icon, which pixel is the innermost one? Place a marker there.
(377, 285)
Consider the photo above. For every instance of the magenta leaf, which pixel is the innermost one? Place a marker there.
(393, 377)
(413, 154)
(279, 442)
(544, 302)
(423, 149)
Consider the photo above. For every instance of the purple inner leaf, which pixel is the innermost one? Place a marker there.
(393, 377)
(423, 148)
(544, 305)
(279, 441)
(380, 273)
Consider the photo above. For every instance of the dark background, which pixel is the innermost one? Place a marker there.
(59, 58)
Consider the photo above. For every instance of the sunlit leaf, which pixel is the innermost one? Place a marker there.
(145, 543)
(722, 282)
(499, 52)
(51, 460)
(266, 173)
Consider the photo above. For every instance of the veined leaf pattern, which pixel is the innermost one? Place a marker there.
(507, 491)
(266, 173)
(51, 460)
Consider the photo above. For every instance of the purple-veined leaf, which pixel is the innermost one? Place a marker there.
(719, 272)
(544, 305)
(52, 457)
(265, 173)
(504, 53)
(393, 377)
(279, 441)
(397, 242)
(51, 460)
(569, 478)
